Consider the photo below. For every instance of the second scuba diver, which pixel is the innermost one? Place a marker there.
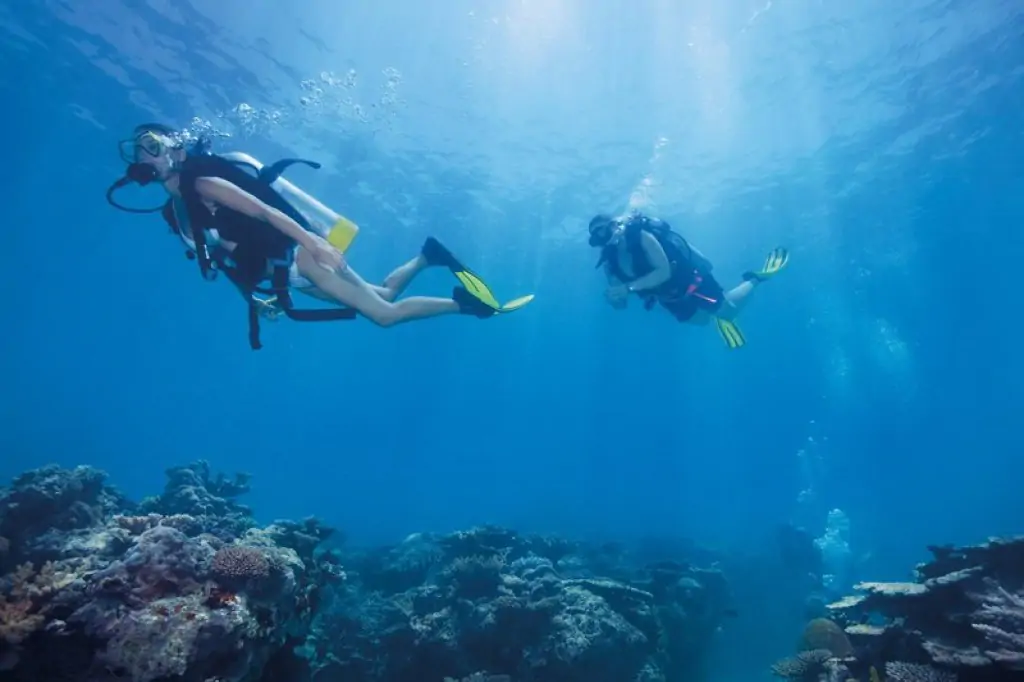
(643, 256)
(240, 224)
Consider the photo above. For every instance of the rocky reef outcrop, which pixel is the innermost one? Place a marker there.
(187, 587)
(184, 586)
(491, 604)
(961, 619)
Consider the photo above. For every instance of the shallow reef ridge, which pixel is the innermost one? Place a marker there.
(960, 620)
(185, 586)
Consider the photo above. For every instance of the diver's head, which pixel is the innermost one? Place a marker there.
(602, 229)
(152, 153)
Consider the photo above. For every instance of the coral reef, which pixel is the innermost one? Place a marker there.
(192, 491)
(824, 634)
(519, 608)
(48, 507)
(182, 586)
(898, 671)
(962, 617)
(806, 665)
(187, 587)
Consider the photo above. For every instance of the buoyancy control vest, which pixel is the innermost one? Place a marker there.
(262, 252)
(686, 262)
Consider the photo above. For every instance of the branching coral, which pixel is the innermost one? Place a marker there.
(24, 593)
(807, 665)
(17, 620)
(964, 614)
(898, 671)
(1001, 620)
(136, 525)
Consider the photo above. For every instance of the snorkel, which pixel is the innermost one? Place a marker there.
(148, 141)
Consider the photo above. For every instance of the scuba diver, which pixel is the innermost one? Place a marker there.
(243, 219)
(642, 255)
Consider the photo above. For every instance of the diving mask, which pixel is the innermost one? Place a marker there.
(602, 229)
(146, 144)
(149, 142)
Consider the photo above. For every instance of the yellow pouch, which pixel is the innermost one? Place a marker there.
(342, 234)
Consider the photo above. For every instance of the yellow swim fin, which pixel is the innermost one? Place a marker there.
(777, 259)
(342, 233)
(730, 333)
(516, 304)
(481, 299)
(475, 286)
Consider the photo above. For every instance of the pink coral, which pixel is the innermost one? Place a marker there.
(20, 600)
(17, 620)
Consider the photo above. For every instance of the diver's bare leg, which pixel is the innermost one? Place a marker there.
(352, 291)
(736, 299)
(400, 278)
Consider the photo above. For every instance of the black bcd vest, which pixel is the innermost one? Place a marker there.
(262, 253)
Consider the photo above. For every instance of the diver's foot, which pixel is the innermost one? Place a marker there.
(436, 253)
(777, 259)
(470, 304)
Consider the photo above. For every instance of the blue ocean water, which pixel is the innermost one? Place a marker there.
(880, 142)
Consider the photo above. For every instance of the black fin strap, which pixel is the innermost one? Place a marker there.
(272, 172)
(320, 314)
(254, 325)
(279, 279)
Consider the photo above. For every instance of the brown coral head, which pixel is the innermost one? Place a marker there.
(822, 633)
(239, 563)
(807, 665)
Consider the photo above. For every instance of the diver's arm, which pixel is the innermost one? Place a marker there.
(617, 300)
(613, 281)
(222, 192)
(661, 268)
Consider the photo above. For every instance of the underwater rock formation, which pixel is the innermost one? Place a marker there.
(191, 491)
(182, 587)
(823, 649)
(962, 618)
(490, 604)
(186, 587)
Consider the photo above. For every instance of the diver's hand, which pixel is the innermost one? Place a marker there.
(326, 256)
(617, 295)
